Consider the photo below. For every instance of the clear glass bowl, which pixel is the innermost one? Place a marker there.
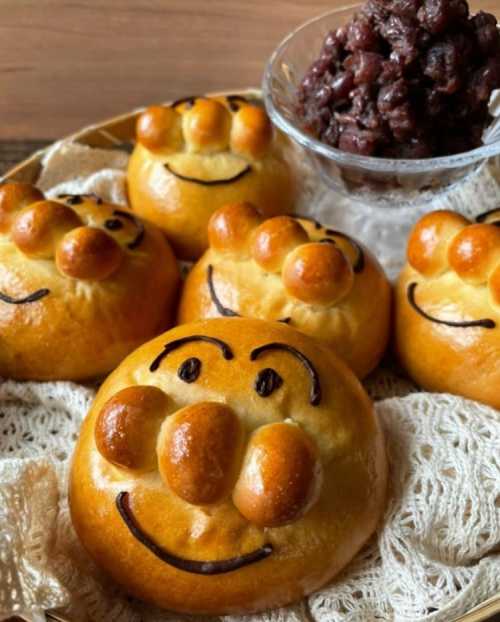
(376, 181)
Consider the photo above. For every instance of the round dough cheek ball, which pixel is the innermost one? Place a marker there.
(318, 273)
(231, 227)
(252, 132)
(127, 427)
(13, 197)
(274, 239)
(281, 476)
(199, 452)
(38, 228)
(88, 253)
(159, 128)
(475, 252)
(429, 241)
(207, 126)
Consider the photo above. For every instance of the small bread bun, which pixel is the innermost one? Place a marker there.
(447, 306)
(197, 155)
(227, 467)
(288, 269)
(82, 283)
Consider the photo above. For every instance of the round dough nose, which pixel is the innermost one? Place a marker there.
(127, 427)
(274, 239)
(281, 476)
(207, 126)
(318, 273)
(430, 239)
(198, 452)
(14, 196)
(88, 253)
(38, 228)
(230, 228)
(160, 128)
(251, 133)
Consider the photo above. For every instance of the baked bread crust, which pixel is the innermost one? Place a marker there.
(251, 453)
(291, 269)
(447, 332)
(201, 153)
(82, 284)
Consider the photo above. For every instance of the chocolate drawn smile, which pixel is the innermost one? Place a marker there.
(37, 295)
(188, 565)
(210, 182)
(223, 310)
(484, 323)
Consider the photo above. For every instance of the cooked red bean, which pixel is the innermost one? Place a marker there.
(405, 79)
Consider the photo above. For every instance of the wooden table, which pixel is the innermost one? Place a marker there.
(64, 65)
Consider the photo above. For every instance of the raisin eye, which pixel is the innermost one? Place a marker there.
(113, 224)
(267, 381)
(189, 370)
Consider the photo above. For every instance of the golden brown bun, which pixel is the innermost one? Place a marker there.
(452, 276)
(80, 285)
(253, 454)
(205, 140)
(290, 269)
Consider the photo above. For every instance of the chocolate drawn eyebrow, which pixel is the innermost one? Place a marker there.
(315, 394)
(37, 295)
(77, 199)
(359, 262)
(190, 100)
(139, 225)
(482, 217)
(484, 323)
(181, 563)
(234, 101)
(226, 351)
(316, 223)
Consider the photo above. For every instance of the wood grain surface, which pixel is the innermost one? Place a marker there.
(68, 63)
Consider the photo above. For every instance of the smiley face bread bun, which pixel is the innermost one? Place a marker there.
(293, 270)
(448, 306)
(228, 466)
(82, 284)
(201, 153)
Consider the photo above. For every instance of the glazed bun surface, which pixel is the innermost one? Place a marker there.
(82, 283)
(289, 269)
(228, 466)
(448, 306)
(201, 153)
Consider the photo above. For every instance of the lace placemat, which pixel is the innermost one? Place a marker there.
(436, 554)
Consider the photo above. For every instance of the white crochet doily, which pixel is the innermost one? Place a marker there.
(436, 554)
